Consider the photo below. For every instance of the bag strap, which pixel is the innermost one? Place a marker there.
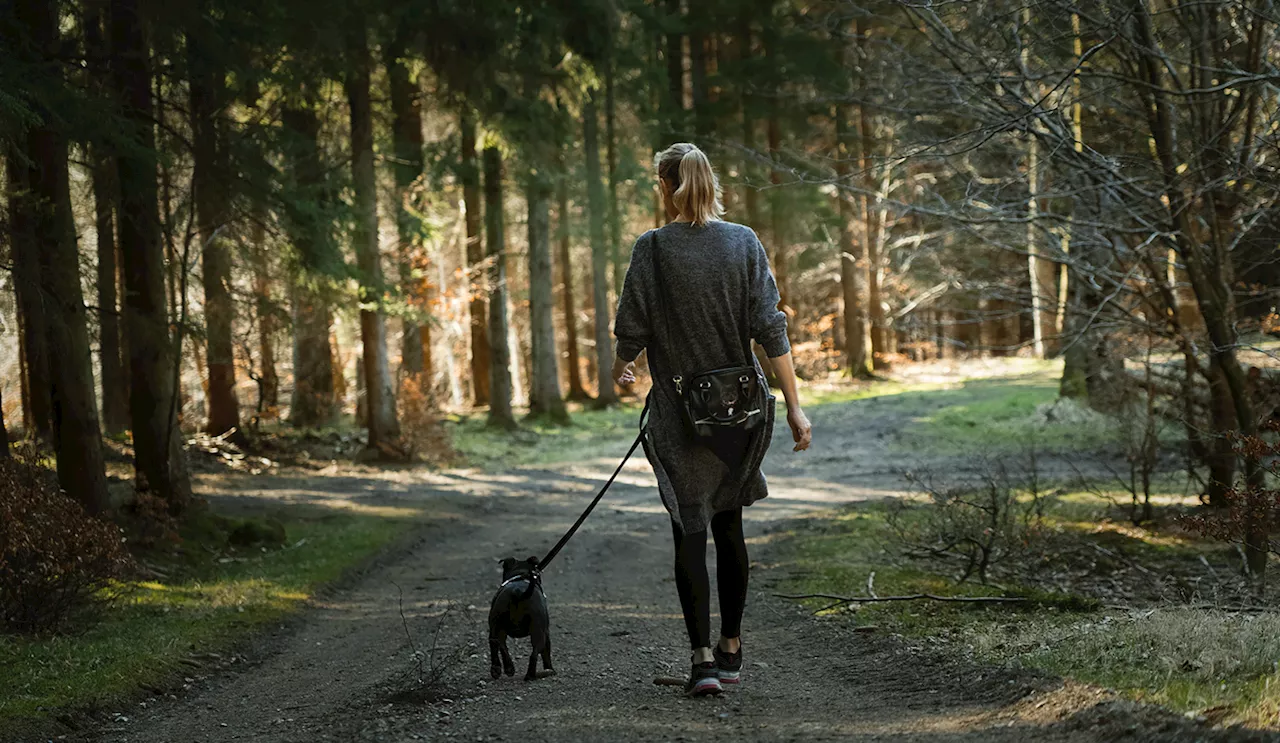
(662, 310)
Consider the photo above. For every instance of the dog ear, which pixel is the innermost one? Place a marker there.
(533, 560)
(508, 563)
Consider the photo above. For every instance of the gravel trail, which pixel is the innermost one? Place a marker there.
(332, 674)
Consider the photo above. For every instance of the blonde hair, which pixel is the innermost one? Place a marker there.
(695, 189)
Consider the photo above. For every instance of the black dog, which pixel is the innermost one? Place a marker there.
(519, 609)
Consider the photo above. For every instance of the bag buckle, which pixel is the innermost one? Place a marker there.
(679, 380)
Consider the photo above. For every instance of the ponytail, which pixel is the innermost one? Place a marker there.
(695, 189)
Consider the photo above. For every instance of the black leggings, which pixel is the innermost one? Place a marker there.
(694, 584)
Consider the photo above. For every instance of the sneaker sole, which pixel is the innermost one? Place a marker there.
(706, 687)
(730, 677)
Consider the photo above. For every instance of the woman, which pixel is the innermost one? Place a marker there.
(716, 291)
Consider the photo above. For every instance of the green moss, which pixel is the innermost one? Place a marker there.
(206, 607)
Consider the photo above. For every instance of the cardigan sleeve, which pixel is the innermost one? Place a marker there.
(631, 324)
(768, 323)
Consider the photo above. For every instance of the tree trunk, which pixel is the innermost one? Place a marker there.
(703, 123)
(1220, 456)
(675, 72)
(37, 404)
(777, 209)
(470, 176)
(314, 401)
(406, 129)
(115, 396)
(264, 308)
(544, 389)
(160, 462)
(576, 391)
(77, 438)
(611, 160)
(1210, 281)
(853, 263)
(500, 414)
(383, 425)
(211, 179)
(878, 326)
(606, 394)
(750, 195)
(4, 432)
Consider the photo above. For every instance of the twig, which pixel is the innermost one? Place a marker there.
(1246, 609)
(409, 635)
(913, 597)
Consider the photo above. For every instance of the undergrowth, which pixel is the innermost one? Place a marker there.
(202, 601)
(1125, 607)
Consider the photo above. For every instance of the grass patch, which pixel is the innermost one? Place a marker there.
(209, 603)
(590, 434)
(1001, 417)
(1218, 663)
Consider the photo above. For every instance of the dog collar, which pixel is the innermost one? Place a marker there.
(535, 578)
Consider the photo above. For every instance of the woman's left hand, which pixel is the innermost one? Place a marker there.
(624, 372)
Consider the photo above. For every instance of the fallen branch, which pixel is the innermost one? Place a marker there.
(1239, 609)
(913, 597)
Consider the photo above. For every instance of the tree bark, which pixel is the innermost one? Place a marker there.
(160, 462)
(470, 176)
(1210, 282)
(674, 54)
(611, 160)
(382, 423)
(500, 414)
(544, 390)
(878, 326)
(750, 192)
(777, 209)
(853, 263)
(703, 123)
(606, 394)
(406, 130)
(211, 179)
(115, 395)
(76, 436)
(314, 401)
(4, 431)
(37, 402)
(264, 308)
(576, 390)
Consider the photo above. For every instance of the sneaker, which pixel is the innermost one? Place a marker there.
(728, 665)
(704, 680)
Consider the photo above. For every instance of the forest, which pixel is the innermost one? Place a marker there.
(285, 286)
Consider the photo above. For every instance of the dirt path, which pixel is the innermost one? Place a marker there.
(615, 627)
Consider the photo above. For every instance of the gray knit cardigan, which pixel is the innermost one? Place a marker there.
(717, 280)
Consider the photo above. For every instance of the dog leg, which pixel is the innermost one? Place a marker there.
(532, 673)
(496, 647)
(508, 665)
(546, 657)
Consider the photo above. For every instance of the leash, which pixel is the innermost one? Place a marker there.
(542, 565)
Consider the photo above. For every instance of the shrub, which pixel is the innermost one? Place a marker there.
(422, 432)
(1250, 515)
(56, 561)
(976, 525)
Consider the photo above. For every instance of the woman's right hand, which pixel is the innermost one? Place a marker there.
(801, 429)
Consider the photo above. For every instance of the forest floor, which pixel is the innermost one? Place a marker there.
(343, 669)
